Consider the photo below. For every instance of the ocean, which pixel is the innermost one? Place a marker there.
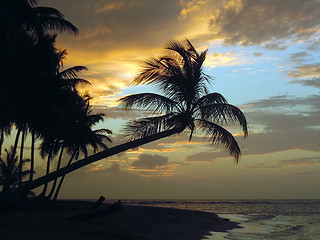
(260, 219)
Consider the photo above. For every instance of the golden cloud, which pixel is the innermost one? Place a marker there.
(110, 7)
(224, 59)
(306, 71)
(249, 22)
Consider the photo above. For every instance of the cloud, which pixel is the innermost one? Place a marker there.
(96, 31)
(251, 22)
(288, 163)
(116, 36)
(148, 161)
(113, 169)
(300, 161)
(275, 103)
(148, 165)
(305, 71)
(224, 59)
(202, 157)
(126, 21)
(118, 112)
(313, 82)
(288, 124)
(275, 46)
(299, 56)
(107, 7)
(307, 173)
(257, 54)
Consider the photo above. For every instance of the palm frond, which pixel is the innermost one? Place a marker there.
(224, 113)
(177, 47)
(100, 135)
(211, 98)
(72, 72)
(50, 23)
(32, 2)
(103, 131)
(47, 12)
(61, 56)
(73, 83)
(201, 58)
(154, 103)
(219, 135)
(191, 49)
(155, 69)
(165, 73)
(147, 126)
(93, 119)
(185, 96)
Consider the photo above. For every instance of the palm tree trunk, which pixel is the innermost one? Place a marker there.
(21, 155)
(4, 198)
(15, 146)
(62, 179)
(45, 187)
(55, 181)
(33, 139)
(1, 140)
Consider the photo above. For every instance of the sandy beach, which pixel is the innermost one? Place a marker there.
(132, 222)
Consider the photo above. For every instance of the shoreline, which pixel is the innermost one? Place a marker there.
(42, 221)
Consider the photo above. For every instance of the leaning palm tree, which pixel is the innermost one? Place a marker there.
(186, 105)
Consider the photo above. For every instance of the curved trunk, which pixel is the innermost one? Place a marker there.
(4, 198)
(21, 155)
(62, 179)
(15, 146)
(45, 187)
(1, 140)
(32, 156)
(55, 181)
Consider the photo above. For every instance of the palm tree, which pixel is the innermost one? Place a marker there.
(23, 138)
(25, 63)
(83, 136)
(49, 148)
(186, 105)
(34, 136)
(33, 20)
(4, 131)
(9, 171)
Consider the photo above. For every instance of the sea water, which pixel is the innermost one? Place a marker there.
(259, 219)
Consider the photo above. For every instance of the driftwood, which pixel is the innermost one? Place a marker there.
(116, 207)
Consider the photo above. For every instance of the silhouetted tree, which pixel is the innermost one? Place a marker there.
(27, 56)
(83, 136)
(185, 106)
(4, 131)
(9, 171)
(186, 103)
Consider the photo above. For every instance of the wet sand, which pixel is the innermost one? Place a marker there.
(133, 222)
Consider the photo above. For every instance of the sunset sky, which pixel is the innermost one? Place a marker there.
(264, 57)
